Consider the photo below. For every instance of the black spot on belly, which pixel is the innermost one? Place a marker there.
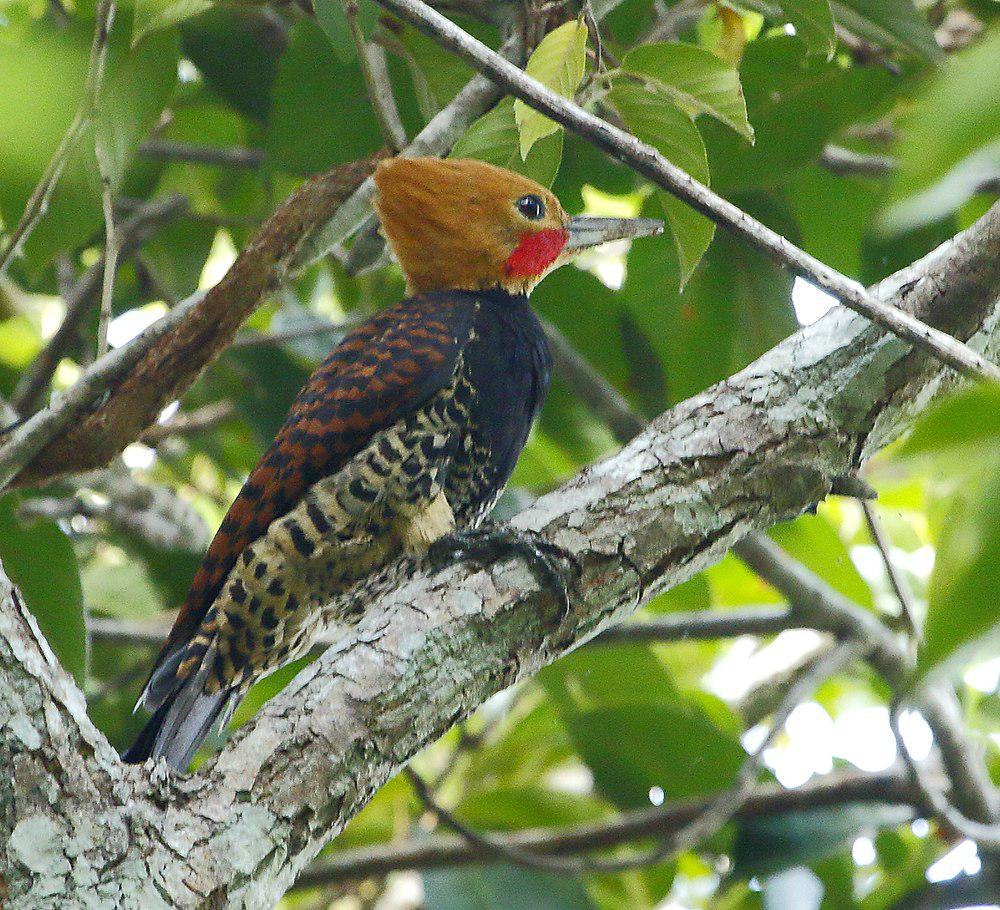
(302, 543)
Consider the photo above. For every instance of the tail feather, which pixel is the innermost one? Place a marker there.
(145, 742)
(182, 720)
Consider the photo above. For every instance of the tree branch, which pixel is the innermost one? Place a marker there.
(713, 815)
(153, 514)
(759, 448)
(173, 352)
(848, 163)
(112, 246)
(811, 597)
(898, 584)
(648, 162)
(435, 851)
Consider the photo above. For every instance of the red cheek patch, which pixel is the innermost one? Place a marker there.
(535, 253)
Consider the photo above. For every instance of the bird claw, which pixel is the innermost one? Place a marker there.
(487, 545)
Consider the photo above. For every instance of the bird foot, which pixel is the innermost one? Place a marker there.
(483, 546)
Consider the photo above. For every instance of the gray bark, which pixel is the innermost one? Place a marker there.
(82, 830)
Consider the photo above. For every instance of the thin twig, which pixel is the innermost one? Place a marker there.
(110, 246)
(675, 20)
(985, 834)
(38, 202)
(648, 162)
(719, 811)
(153, 514)
(280, 336)
(725, 806)
(121, 631)
(769, 800)
(899, 585)
(881, 132)
(848, 163)
(811, 597)
(380, 95)
(701, 624)
(187, 422)
(7, 414)
(131, 234)
(129, 204)
(23, 442)
(394, 131)
(489, 843)
(234, 156)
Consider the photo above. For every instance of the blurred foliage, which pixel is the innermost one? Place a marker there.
(745, 96)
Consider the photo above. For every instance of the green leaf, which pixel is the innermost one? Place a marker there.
(814, 542)
(584, 165)
(967, 420)
(265, 689)
(653, 118)
(528, 806)
(598, 337)
(736, 306)
(151, 15)
(635, 747)
(19, 342)
(813, 23)
(39, 559)
(796, 103)
(138, 83)
(834, 214)
(951, 140)
(494, 137)
(314, 97)
(333, 20)
(502, 887)
(120, 590)
(611, 675)
(693, 594)
(236, 54)
(529, 747)
(895, 23)
(437, 74)
(765, 846)
(694, 79)
(558, 63)
(963, 612)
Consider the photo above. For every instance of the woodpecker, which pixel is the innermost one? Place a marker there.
(399, 444)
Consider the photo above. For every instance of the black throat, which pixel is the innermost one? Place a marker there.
(509, 365)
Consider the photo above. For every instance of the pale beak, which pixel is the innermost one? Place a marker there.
(585, 231)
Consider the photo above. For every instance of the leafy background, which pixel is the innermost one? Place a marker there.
(745, 96)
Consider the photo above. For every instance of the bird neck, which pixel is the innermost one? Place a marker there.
(501, 297)
(496, 297)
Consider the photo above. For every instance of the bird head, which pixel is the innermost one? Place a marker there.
(464, 224)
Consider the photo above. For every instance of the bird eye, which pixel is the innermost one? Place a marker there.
(531, 207)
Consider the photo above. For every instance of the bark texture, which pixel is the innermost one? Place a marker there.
(82, 830)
